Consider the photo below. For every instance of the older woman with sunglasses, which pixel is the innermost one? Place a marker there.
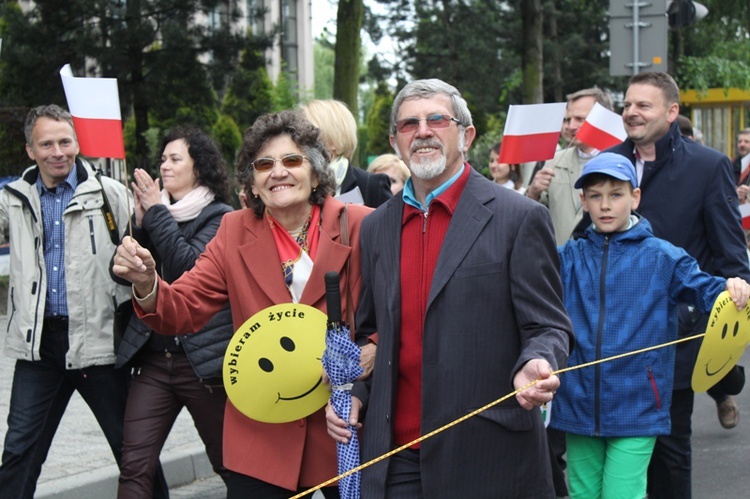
(275, 252)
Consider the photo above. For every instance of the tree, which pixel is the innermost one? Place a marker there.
(532, 55)
(324, 58)
(142, 43)
(250, 92)
(378, 121)
(715, 51)
(346, 72)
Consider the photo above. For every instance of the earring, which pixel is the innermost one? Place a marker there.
(255, 196)
(315, 189)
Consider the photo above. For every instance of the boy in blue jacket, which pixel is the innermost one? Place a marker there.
(621, 286)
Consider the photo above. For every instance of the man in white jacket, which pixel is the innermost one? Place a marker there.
(61, 297)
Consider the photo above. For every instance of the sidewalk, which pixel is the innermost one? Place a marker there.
(80, 464)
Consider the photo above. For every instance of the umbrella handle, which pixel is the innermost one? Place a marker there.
(333, 297)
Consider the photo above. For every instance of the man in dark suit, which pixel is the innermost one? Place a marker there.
(460, 281)
(688, 195)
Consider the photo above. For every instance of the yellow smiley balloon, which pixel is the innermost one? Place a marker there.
(272, 368)
(727, 335)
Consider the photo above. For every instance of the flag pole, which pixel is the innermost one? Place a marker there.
(124, 174)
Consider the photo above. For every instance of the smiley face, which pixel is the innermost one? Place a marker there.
(727, 335)
(272, 368)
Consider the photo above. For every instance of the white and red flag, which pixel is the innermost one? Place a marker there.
(95, 106)
(745, 214)
(602, 128)
(531, 132)
(744, 168)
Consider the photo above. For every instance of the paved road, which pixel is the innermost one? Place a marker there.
(79, 452)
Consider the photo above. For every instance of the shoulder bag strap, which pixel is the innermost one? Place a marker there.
(344, 222)
(109, 217)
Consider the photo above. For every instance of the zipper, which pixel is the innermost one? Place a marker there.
(12, 309)
(91, 233)
(654, 387)
(599, 334)
(424, 223)
(31, 335)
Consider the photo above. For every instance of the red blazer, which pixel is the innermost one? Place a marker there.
(241, 264)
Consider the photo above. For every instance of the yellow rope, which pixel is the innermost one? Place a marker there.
(483, 408)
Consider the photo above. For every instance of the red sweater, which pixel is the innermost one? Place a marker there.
(421, 239)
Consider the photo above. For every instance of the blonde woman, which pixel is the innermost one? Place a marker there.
(391, 165)
(338, 133)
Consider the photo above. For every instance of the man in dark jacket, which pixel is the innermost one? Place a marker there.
(460, 279)
(743, 149)
(688, 195)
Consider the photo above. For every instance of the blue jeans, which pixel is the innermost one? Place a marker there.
(39, 395)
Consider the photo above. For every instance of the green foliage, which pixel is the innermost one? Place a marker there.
(580, 48)
(479, 153)
(250, 92)
(378, 122)
(283, 96)
(13, 157)
(714, 52)
(169, 68)
(226, 132)
(324, 59)
(713, 71)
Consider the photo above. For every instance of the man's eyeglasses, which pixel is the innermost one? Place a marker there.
(288, 161)
(433, 121)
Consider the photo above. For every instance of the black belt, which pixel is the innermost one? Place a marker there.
(56, 321)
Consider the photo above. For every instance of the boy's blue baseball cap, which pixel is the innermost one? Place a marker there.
(609, 163)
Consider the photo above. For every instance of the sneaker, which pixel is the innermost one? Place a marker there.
(729, 413)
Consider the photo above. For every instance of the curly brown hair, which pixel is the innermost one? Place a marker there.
(208, 163)
(304, 134)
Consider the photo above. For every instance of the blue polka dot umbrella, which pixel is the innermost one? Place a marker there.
(341, 362)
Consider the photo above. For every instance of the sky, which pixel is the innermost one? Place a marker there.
(323, 14)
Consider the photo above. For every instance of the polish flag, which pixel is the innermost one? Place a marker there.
(744, 170)
(95, 106)
(531, 132)
(745, 213)
(602, 128)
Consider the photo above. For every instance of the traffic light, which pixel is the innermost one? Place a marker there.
(683, 13)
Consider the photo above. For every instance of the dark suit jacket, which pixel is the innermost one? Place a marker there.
(688, 195)
(375, 187)
(495, 303)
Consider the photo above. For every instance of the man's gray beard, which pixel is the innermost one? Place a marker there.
(427, 169)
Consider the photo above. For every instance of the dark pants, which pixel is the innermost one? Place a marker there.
(404, 476)
(164, 383)
(246, 487)
(556, 440)
(669, 471)
(39, 396)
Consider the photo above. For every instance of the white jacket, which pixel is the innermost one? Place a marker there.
(92, 295)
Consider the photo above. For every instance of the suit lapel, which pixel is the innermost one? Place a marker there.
(391, 256)
(470, 217)
(331, 254)
(261, 260)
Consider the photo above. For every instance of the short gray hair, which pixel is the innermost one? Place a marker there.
(51, 111)
(602, 97)
(425, 89)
